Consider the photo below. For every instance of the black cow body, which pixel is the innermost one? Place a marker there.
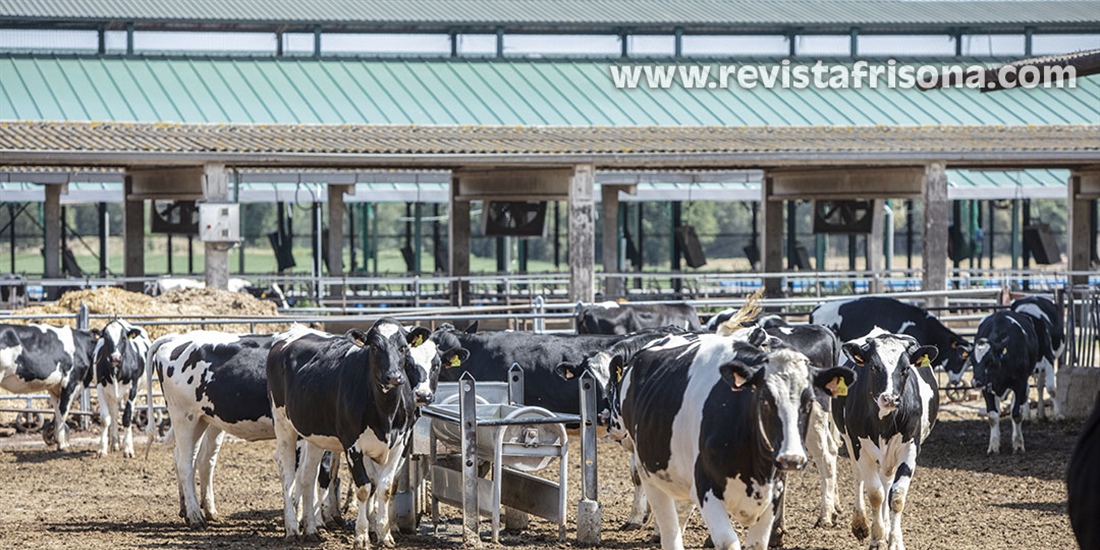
(1005, 351)
(1083, 483)
(539, 355)
(1047, 320)
(852, 319)
(885, 416)
(697, 441)
(56, 360)
(349, 395)
(616, 318)
(120, 356)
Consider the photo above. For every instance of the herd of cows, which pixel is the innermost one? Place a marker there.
(713, 416)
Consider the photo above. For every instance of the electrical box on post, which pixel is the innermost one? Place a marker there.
(219, 222)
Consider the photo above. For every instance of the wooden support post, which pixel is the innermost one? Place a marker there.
(609, 222)
(133, 221)
(1083, 188)
(52, 237)
(215, 188)
(582, 246)
(874, 260)
(771, 245)
(459, 226)
(935, 231)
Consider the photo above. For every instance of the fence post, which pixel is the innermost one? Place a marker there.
(515, 384)
(539, 309)
(588, 508)
(83, 323)
(471, 515)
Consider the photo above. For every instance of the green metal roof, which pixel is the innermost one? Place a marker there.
(562, 13)
(478, 92)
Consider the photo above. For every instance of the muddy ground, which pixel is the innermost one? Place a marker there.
(960, 498)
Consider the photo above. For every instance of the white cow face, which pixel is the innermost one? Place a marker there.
(888, 358)
(112, 345)
(425, 362)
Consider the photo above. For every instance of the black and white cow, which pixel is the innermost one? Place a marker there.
(120, 355)
(821, 346)
(1005, 352)
(35, 358)
(713, 420)
(347, 394)
(1046, 317)
(852, 319)
(764, 321)
(884, 417)
(539, 355)
(616, 318)
(1083, 482)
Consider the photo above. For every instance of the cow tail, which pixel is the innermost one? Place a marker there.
(150, 361)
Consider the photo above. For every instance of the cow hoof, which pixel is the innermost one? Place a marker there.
(362, 542)
(197, 524)
(655, 538)
(992, 451)
(312, 537)
(211, 516)
(388, 542)
(859, 529)
(630, 526)
(825, 522)
(291, 537)
(776, 541)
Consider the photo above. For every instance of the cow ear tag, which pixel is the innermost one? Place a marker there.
(420, 340)
(924, 362)
(1004, 352)
(455, 361)
(841, 387)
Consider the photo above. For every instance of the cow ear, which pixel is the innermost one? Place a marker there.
(566, 371)
(739, 375)
(757, 336)
(923, 356)
(455, 358)
(616, 368)
(133, 333)
(854, 351)
(96, 334)
(472, 329)
(418, 335)
(835, 381)
(356, 336)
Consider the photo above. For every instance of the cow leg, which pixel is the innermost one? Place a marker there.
(779, 525)
(306, 475)
(204, 463)
(758, 535)
(717, 520)
(380, 518)
(859, 511)
(1045, 379)
(664, 512)
(128, 420)
(286, 440)
(108, 404)
(876, 497)
(61, 406)
(993, 416)
(187, 433)
(329, 481)
(362, 493)
(907, 464)
(1019, 412)
(639, 508)
(823, 451)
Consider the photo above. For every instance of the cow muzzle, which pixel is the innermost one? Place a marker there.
(424, 397)
(392, 382)
(887, 403)
(790, 461)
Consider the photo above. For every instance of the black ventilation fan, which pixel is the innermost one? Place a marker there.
(842, 216)
(514, 219)
(175, 217)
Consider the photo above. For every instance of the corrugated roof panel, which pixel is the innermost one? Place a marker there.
(480, 92)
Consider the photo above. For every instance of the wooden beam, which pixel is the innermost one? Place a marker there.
(934, 257)
(582, 224)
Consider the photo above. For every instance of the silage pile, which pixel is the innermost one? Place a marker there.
(142, 310)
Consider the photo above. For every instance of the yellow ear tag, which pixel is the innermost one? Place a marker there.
(924, 362)
(418, 340)
(1004, 352)
(455, 361)
(841, 388)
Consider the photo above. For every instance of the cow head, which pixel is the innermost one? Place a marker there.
(888, 359)
(988, 355)
(425, 362)
(387, 351)
(600, 364)
(113, 349)
(784, 383)
(955, 360)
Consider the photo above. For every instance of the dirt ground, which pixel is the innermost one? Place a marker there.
(960, 498)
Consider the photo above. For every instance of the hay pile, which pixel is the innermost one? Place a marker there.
(141, 309)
